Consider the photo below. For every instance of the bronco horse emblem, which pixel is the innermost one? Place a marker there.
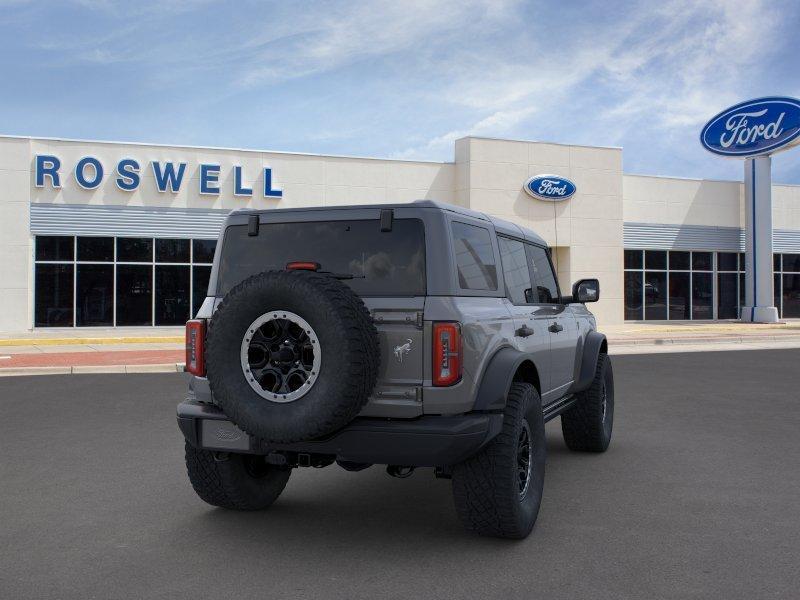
(403, 349)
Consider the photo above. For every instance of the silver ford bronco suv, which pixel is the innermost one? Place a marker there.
(407, 335)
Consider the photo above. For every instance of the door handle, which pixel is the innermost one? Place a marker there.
(523, 331)
(555, 328)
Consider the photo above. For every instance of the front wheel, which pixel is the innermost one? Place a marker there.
(587, 425)
(234, 481)
(498, 491)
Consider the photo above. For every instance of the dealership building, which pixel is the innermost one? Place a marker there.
(102, 234)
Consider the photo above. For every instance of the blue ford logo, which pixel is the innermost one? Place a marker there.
(550, 187)
(760, 126)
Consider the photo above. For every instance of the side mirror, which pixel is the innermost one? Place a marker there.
(586, 290)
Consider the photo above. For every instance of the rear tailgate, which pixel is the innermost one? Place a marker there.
(398, 392)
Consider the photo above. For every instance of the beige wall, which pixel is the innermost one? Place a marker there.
(15, 240)
(586, 229)
(680, 201)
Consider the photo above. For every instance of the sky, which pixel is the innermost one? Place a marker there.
(399, 79)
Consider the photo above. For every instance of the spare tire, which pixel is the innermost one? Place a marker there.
(291, 355)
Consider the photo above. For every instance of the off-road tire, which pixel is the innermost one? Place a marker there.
(485, 486)
(349, 347)
(234, 481)
(585, 427)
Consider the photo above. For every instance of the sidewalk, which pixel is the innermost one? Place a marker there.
(66, 351)
(657, 337)
(161, 349)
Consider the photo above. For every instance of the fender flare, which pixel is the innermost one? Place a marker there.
(591, 352)
(497, 378)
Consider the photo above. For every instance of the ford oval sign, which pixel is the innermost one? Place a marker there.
(550, 187)
(761, 126)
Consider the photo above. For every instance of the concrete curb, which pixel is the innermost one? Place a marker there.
(739, 339)
(97, 369)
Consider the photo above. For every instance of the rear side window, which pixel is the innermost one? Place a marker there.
(515, 270)
(474, 257)
(390, 263)
(544, 280)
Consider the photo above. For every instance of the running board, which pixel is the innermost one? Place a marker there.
(552, 410)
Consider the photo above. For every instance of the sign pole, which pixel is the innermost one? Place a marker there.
(758, 282)
(754, 130)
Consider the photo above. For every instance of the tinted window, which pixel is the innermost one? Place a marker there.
(203, 251)
(54, 293)
(791, 296)
(172, 251)
(633, 259)
(54, 247)
(655, 296)
(679, 261)
(544, 280)
(172, 295)
(200, 276)
(390, 263)
(727, 307)
(701, 261)
(134, 250)
(515, 270)
(94, 304)
(679, 295)
(96, 249)
(474, 257)
(655, 259)
(702, 296)
(776, 292)
(791, 263)
(633, 295)
(727, 262)
(134, 295)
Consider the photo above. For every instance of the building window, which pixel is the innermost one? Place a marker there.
(787, 286)
(682, 285)
(728, 269)
(105, 281)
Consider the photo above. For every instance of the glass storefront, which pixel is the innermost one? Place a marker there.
(107, 281)
(681, 285)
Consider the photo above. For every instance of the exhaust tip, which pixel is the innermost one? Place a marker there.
(399, 471)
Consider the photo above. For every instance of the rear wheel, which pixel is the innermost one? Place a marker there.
(498, 491)
(234, 481)
(588, 424)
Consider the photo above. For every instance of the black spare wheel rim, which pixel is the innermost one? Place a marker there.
(292, 355)
(280, 356)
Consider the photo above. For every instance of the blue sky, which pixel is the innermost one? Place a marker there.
(399, 79)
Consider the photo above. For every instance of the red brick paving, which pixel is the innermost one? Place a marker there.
(74, 359)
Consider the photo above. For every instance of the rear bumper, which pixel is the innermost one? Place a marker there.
(429, 441)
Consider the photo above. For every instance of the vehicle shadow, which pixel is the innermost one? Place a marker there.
(333, 507)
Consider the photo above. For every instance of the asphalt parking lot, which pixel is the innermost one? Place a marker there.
(696, 498)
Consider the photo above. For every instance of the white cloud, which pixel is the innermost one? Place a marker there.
(673, 66)
(324, 38)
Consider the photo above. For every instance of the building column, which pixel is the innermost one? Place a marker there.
(758, 278)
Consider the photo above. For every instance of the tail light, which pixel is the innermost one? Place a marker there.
(447, 363)
(195, 347)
